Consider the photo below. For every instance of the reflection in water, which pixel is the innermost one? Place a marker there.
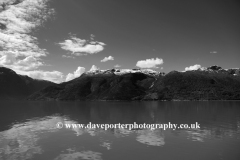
(20, 142)
(106, 144)
(89, 155)
(122, 132)
(153, 138)
(145, 136)
(31, 132)
(198, 134)
(238, 129)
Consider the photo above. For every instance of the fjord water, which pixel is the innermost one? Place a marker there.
(28, 130)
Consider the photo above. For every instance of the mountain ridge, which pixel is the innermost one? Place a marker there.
(212, 83)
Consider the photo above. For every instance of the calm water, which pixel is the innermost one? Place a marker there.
(28, 131)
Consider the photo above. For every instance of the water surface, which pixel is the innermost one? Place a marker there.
(28, 131)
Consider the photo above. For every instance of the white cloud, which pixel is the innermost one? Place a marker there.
(110, 58)
(149, 63)
(54, 76)
(94, 68)
(194, 67)
(213, 52)
(7, 59)
(117, 65)
(75, 74)
(28, 63)
(80, 46)
(19, 49)
(66, 56)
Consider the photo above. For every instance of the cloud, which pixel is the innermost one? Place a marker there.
(110, 58)
(117, 65)
(80, 46)
(213, 52)
(94, 68)
(54, 76)
(149, 63)
(75, 74)
(19, 49)
(194, 67)
(28, 63)
(66, 56)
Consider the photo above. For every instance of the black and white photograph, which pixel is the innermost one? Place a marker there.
(119, 80)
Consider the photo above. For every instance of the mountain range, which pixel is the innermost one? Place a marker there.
(212, 83)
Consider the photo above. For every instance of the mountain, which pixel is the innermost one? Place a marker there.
(212, 83)
(15, 86)
(197, 85)
(106, 86)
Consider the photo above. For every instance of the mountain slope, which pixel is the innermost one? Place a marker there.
(14, 86)
(98, 87)
(198, 85)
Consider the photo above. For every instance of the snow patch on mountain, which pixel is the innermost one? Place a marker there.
(125, 71)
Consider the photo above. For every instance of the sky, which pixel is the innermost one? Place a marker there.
(58, 40)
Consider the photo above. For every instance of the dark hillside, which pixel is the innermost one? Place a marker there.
(197, 85)
(14, 86)
(98, 87)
